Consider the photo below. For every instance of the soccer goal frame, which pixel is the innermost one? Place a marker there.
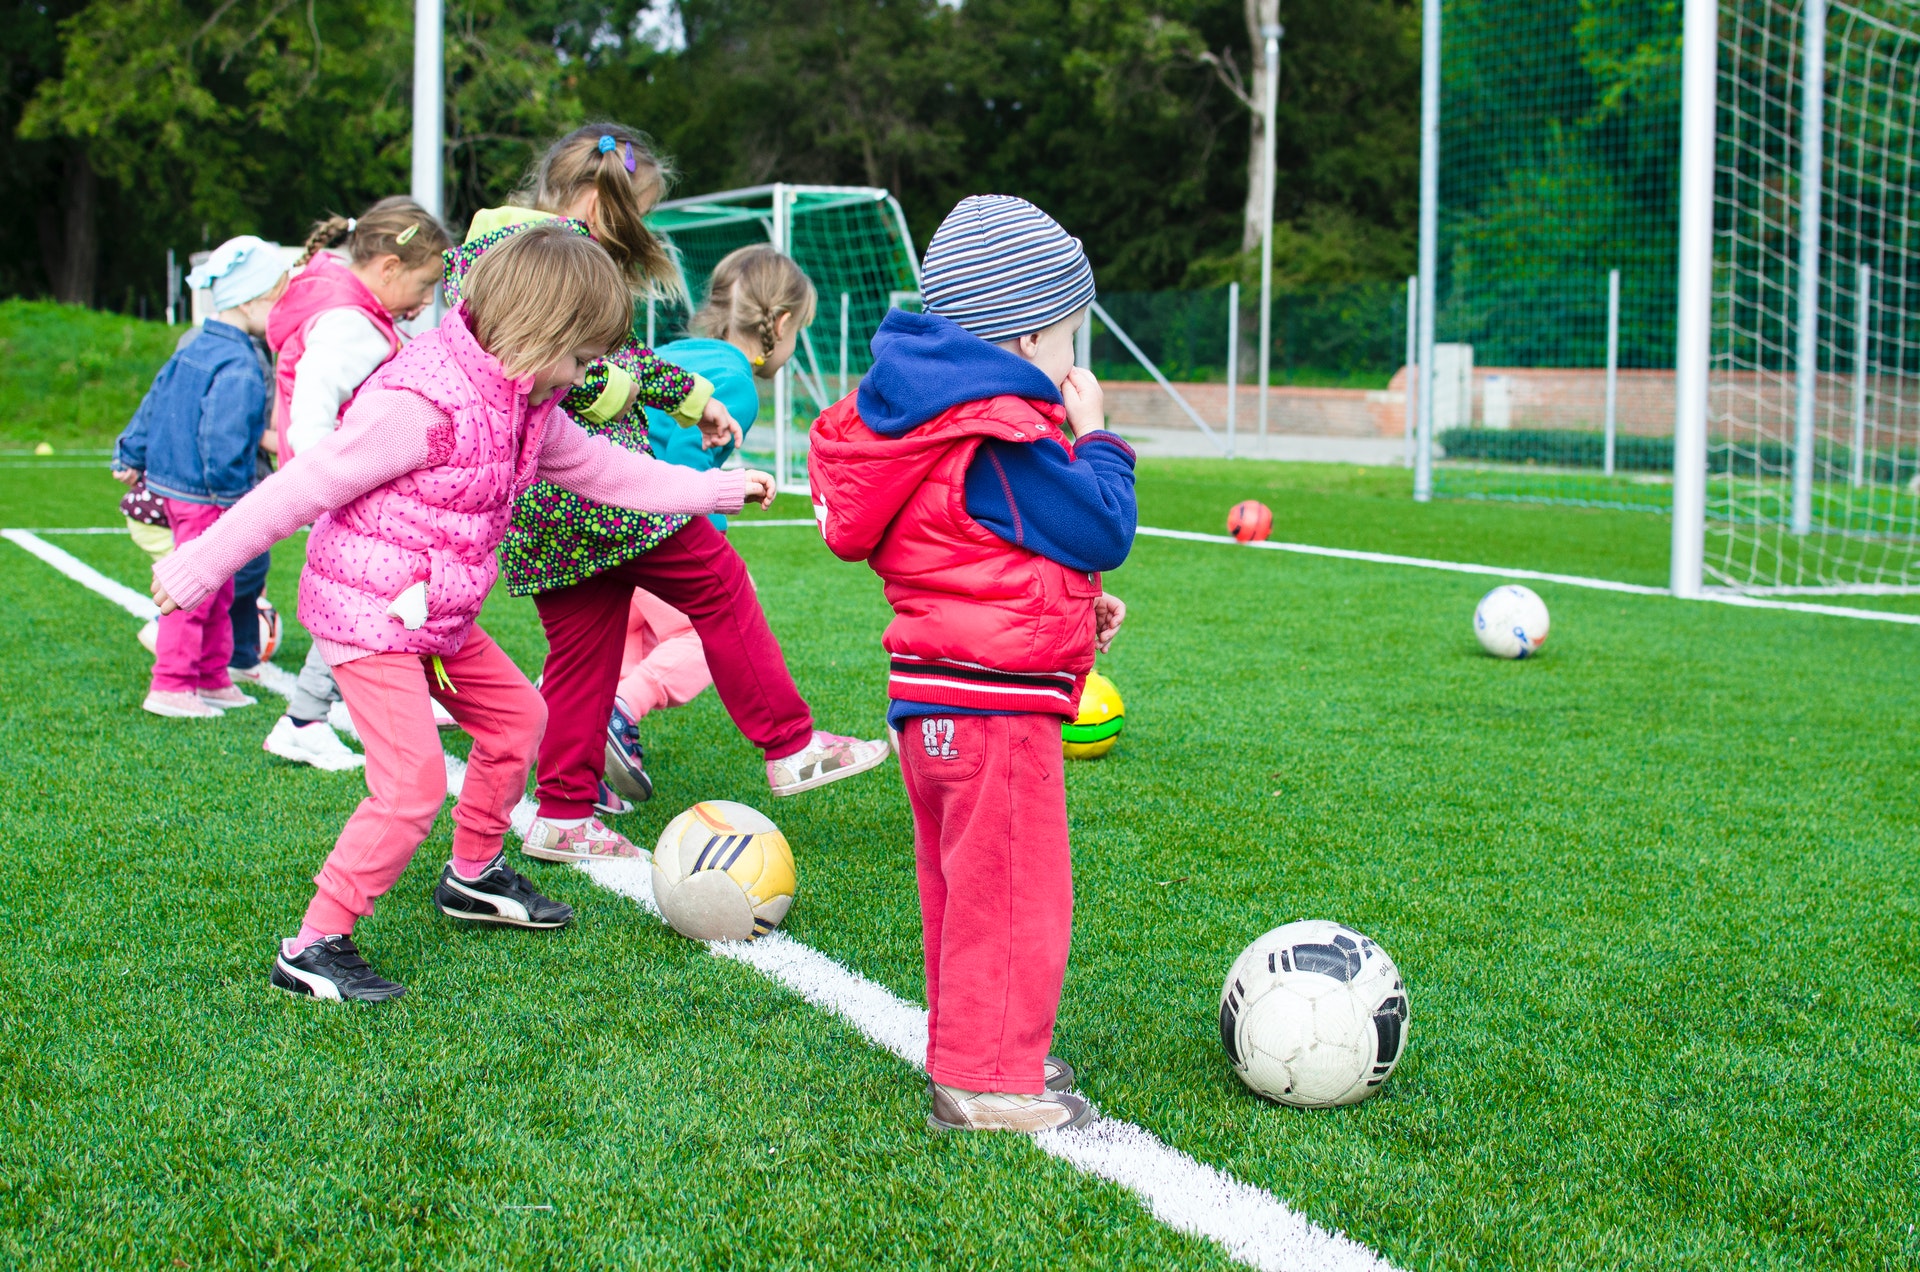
(856, 285)
(1799, 231)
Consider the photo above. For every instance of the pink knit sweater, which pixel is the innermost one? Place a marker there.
(404, 432)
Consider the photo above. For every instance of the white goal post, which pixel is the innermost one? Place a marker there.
(1797, 413)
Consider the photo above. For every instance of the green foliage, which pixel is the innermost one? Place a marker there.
(71, 376)
(224, 116)
(1560, 127)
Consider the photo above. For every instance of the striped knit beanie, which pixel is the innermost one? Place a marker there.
(1000, 268)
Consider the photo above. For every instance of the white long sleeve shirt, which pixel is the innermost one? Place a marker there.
(343, 349)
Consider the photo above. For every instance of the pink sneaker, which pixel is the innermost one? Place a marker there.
(180, 706)
(227, 698)
(589, 842)
(827, 758)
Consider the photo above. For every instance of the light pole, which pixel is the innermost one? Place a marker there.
(1429, 241)
(1270, 34)
(429, 120)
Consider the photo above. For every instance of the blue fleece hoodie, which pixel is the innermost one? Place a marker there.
(1078, 511)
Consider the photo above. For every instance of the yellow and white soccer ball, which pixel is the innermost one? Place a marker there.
(722, 872)
(1093, 732)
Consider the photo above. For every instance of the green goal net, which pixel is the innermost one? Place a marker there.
(852, 241)
(1558, 208)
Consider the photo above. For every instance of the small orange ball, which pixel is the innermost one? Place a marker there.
(1250, 521)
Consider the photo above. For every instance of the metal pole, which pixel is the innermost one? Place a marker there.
(1813, 82)
(1699, 71)
(1233, 362)
(173, 287)
(1412, 424)
(429, 122)
(782, 382)
(1613, 364)
(846, 332)
(1429, 238)
(1083, 342)
(1862, 331)
(649, 322)
(1271, 34)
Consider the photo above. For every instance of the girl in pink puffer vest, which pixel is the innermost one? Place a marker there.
(408, 499)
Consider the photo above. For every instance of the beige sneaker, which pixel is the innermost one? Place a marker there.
(590, 842)
(828, 757)
(180, 706)
(227, 699)
(957, 1110)
(1059, 1074)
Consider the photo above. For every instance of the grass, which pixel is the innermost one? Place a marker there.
(1654, 895)
(71, 377)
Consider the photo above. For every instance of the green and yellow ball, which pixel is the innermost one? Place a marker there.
(1097, 727)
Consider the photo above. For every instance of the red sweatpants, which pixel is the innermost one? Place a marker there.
(698, 573)
(996, 892)
(407, 772)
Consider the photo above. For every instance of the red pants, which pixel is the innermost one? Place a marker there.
(407, 772)
(195, 644)
(697, 572)
(996, 892)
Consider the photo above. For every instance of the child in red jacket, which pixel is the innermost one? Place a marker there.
(972, 472)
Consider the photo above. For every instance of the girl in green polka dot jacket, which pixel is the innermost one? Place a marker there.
(580, 560)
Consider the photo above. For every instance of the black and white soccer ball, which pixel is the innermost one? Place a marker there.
(1314, 1014)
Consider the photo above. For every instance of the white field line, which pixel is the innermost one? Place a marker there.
(1253, 1226)
(141, 607)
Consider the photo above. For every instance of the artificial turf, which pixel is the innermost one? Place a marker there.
(1653, 894)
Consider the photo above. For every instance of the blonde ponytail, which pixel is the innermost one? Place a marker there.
(750, 289)
(630, 178)
(395, 226)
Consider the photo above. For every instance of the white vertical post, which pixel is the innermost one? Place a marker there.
(1412, 425)
(1862, 332)
(846, 335)
(429, 124)
(1233, 362)
(1813, 86)
(1613, 365)
(173, 287)
(1699, 91)
(1429, 256)
(649, 321)
(782, 379)
(1083, 342)
(1271, 34)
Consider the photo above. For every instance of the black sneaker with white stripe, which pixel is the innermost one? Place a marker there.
(500, 895)
(331, 968)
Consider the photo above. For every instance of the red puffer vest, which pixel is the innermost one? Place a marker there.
(977, 621)
(324, 284)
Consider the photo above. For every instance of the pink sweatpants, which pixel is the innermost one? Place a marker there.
(989, 804)
(406, 771)
(664, 665)
(195, 644)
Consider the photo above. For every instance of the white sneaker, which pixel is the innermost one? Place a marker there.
(827, 758)
(313, 744)
(150, 637)
(227, 699)
(958, 1110)
(249, 674)
(180, 706)
(338, 717)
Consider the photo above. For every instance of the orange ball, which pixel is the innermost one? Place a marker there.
(1250, 521)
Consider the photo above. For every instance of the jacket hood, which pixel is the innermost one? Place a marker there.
(925, 365)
